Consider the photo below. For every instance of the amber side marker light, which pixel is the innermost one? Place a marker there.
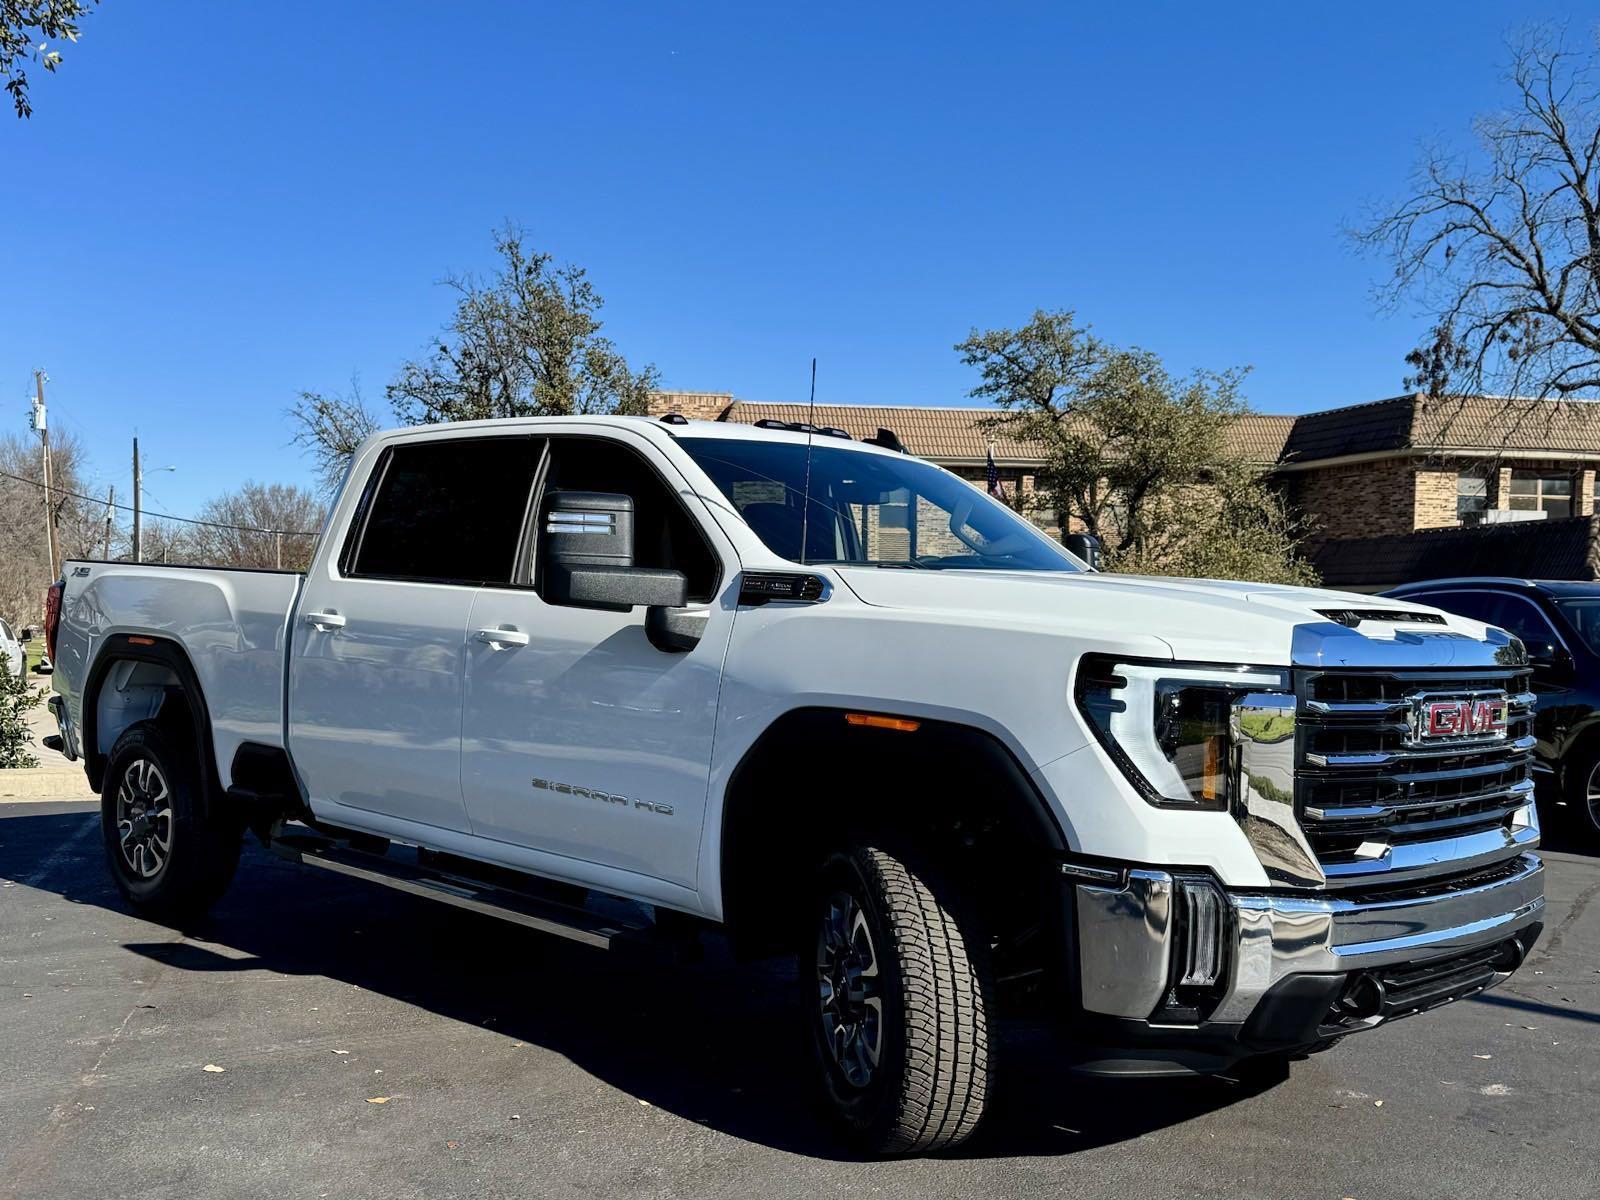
(873, 721)
(142, 641)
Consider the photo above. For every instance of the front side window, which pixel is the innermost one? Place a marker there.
(868, 509)
(448, 511)
(1517, 615)
(1547, 491)
(1472, 493)
(1583, 614)
(665, 536)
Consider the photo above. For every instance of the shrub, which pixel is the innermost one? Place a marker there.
(16, 698)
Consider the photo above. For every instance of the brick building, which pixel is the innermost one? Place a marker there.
(1368, 477)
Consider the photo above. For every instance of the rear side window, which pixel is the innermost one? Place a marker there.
(448, 511)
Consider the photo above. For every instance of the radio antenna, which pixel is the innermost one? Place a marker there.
(811, 437)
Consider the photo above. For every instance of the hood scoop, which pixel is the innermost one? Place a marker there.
(1352, 617)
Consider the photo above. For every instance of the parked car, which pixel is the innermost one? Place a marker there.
(1559, 622)
(15, 651)
(836, 703)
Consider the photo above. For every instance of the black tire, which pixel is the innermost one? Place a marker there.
(180, 864)
(1582, 812)
(913, 1076)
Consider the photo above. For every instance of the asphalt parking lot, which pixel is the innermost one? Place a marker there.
(513, 1065)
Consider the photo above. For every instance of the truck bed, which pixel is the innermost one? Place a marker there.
(232, 623)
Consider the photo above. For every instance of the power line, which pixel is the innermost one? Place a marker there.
(56, 491)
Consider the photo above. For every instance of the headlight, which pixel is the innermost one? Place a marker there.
(1167, 724)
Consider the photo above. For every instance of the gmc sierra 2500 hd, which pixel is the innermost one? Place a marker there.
(838, 703)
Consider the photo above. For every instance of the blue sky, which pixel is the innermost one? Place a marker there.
(218, 204)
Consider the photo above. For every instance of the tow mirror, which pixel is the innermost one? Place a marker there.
(1086, 546)
(586, 556)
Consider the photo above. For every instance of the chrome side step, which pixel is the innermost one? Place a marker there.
(576, 924)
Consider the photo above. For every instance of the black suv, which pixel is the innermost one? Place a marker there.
(1559, 622)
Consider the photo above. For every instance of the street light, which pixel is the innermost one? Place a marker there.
(138, 490)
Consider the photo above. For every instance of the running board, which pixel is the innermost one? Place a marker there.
(546, 916)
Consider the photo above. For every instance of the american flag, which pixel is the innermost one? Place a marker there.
(993, 476)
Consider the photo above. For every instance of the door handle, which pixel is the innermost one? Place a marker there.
(324, 621)
(502, 637)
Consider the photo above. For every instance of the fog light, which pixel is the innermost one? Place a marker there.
(1201, 924)
(1202, 920)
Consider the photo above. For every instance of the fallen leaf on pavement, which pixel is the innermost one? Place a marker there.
(377, 1099)
(1377, 1104)
(213, 1068)
(1483, 1056)
(453, 1145)
(338, 1052)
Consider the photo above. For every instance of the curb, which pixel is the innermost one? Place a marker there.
(44, 783)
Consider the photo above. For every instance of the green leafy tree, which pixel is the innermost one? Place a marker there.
(1141, 458)
(16, 698)
(27, 29)
(524, 343)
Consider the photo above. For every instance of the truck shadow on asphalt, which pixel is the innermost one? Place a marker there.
(716, 1042)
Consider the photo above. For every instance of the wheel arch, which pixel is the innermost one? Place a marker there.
(154, 662)
(814, 779)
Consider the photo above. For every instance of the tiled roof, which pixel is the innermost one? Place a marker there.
(1400, 425)
(959, 434)
(1479, 423)
(1549, 549)
(942, 434)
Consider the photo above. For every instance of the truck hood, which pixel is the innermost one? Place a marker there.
(1209, 620)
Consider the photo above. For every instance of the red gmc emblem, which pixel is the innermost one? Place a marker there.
(1459, 717)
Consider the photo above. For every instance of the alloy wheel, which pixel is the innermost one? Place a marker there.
(1591, 796)
(144, 818)
(849, 990)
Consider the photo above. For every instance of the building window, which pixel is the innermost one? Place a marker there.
(1546, 491)
(1472, 494)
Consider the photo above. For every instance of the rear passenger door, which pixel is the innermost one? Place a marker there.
(584, 742)
(378, 649)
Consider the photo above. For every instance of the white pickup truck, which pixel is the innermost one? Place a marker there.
(837, 703)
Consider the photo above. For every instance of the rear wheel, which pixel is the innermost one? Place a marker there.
(167, 856)
(895, 987)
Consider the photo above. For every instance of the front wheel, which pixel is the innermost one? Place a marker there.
(895, 987)
(1583, 795)
(168, 855)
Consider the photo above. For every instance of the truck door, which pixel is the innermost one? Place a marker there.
(378, 650)
(581, 738)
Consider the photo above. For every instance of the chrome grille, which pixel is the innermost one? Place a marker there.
(1364, 785)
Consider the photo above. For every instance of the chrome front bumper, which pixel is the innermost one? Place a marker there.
(1130, 938)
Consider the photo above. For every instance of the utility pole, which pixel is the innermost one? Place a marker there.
(42, 425)
(279, 552)
(111, 508)
(138, 544)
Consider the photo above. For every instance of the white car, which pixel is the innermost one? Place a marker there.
(16, 653)
(833, 702)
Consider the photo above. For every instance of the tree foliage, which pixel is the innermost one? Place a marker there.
(525, 342)
(27, 27)
(1141, 458)
(1501, 245)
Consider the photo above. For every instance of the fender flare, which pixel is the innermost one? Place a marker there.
(952, 738)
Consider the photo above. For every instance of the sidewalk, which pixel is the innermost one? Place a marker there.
(54, 778)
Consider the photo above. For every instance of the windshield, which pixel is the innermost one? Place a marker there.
(874, 510)
(1583, 616)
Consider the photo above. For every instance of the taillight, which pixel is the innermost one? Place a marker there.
(52, 616)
